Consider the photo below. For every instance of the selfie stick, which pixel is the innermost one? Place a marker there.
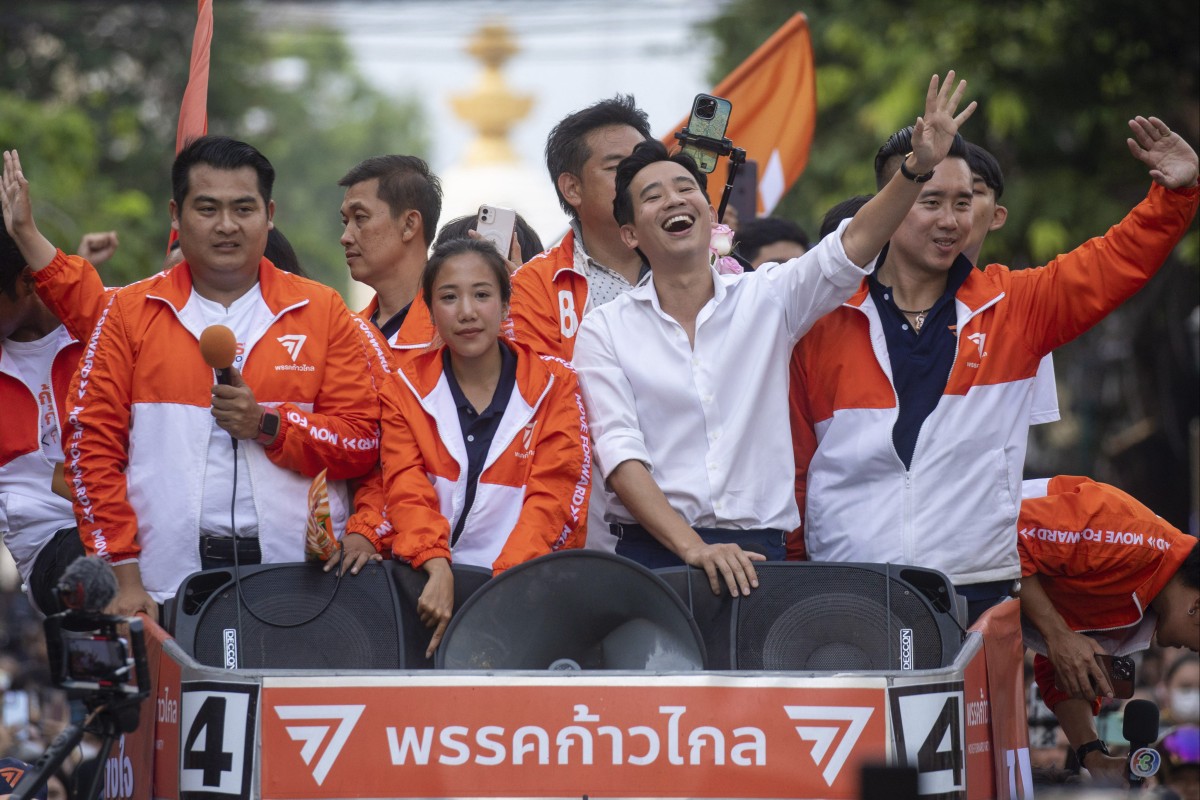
(722, 147)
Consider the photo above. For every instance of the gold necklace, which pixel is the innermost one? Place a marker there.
(918, 317)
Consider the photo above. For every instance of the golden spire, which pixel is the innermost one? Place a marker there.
(491, 107)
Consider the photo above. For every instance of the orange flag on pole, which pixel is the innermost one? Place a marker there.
(193, 112)
(774, 97)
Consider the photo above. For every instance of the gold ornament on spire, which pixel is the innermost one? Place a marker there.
(491, 107)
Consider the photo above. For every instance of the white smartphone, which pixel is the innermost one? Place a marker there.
(495, 224)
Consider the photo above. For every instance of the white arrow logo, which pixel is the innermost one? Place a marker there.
(314, 735)
(292, 343)
(823, 736)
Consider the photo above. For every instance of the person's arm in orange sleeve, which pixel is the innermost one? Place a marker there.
(422, 534)
(555, 505)
(68, 285)
(804, 445)
(1071, 655)
(534, 316)
(1076, 290)
(341, 433)
(370, 518)
(96, 450)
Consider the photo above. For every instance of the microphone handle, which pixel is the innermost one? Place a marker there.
(223, 377)
(44, 767)
(1135, 781)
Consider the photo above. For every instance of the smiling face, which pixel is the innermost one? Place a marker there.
(938, 225)
(672, 219)
(222, 226)
(467, 308)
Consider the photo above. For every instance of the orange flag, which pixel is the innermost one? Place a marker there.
(774, 97)
(193, 112)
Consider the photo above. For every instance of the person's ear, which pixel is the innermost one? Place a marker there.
(629, 236)
(411, 225)
(174, 209)
(571, 188)
(271, 215)
(999, 217)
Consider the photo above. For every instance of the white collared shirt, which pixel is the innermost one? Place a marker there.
(710, 421)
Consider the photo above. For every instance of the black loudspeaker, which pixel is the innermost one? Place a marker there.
(823, 617)
(574, 609)
(293, 616)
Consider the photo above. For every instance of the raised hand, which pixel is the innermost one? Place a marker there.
(935, 129)
(1171, 160)
(18, 214)
(98, 247)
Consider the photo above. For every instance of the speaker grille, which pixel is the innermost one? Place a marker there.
(354, 632)
(835, 619)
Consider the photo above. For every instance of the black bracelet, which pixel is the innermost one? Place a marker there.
(1092, 746)
(912, 176)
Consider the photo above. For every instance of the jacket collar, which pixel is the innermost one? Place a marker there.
(424, 371)
(979, 289)
(279, 291)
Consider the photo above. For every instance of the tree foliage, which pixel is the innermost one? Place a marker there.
(1056, 80)
(90, 94)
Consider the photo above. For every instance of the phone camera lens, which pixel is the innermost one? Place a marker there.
(706, 108)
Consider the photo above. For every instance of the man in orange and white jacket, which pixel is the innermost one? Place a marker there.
(1101, 573)
(147, 433)
(908, 459)
(532, 496)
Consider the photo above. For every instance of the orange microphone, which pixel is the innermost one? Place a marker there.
(218, 345)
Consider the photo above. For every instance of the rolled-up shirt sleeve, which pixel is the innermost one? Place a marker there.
(608, 396)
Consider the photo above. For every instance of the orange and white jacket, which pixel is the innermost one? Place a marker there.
(1101, 557)
(414, 336)
(955, 508)
(30, 513)
(548, 300)
(532, 495)
(139, 420)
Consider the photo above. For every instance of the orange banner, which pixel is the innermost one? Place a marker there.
(774, 97)
(567, 740)
(193, 112)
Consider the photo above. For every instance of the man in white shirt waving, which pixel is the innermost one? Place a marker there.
(685, 377)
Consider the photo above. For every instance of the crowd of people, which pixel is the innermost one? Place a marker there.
(616, 391)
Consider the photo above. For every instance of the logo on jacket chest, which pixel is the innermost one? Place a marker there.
(980, 340)
(293, 343)
(525, 448)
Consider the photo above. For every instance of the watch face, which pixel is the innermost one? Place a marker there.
(269, 425)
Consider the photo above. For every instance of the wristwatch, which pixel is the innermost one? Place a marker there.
(1092, 746)
(912, 176)
(268, 427)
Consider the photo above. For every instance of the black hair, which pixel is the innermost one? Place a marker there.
(527, 238)
(12, 263)
(566, 146)
(405, 183)
(843, 210)
(755, 234)
(985, 165)
(461, 246)
(281, 253)
(645, 154)
(1189, 570)
(219, 152)
(898, 145)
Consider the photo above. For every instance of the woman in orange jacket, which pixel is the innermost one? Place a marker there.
(485, 450)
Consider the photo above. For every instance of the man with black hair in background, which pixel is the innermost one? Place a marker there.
(911, 403)
(591, 266)
(390, 217)
(764, 239)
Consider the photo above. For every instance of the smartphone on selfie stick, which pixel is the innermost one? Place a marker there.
(703, 138)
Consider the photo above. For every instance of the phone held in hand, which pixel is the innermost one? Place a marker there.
(1120, 672)
(495, 224)
(709, 119)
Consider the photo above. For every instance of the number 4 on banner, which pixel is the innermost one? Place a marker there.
(218, 722)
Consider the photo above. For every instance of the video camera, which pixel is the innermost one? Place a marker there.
(91, 660)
